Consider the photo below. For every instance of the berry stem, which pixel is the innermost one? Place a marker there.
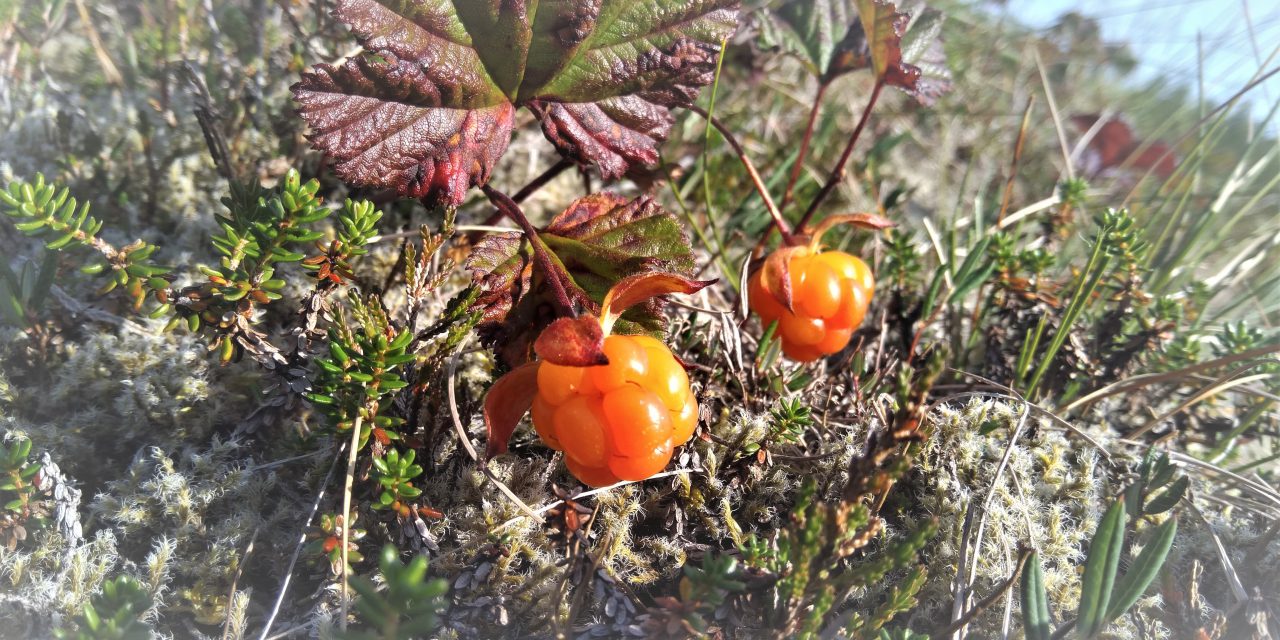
(526, 191)
(838, 173)
(541, 255)
(778, 222)
(798, 165)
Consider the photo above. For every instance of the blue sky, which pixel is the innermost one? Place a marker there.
(1162, 34)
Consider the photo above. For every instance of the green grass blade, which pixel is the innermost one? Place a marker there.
(1035, 602)
(1100, 571)
(1143, 571)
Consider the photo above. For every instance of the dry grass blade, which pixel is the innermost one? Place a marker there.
(1053, 112)
(235, 580)
(1018, 146)
(1224, 383)
(1053, 417)
(958, 626)
(1228, 569)
(586, 494)
(470, 448)
(1137, 382)
(1263, 491)
(297, 550)
(353, 448)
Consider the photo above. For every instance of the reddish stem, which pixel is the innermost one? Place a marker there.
(541, 256)
(778, 222)
(804, 145)
(526, 191)
(838, 173)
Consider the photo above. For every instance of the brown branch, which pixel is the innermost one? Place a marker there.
(541, 255)
(798, 165)
(778, 222)
(838, 173)
(1017, 156)
(986, 602)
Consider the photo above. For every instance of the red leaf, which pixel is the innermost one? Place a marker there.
(901, 52)
(572, 342)
(600, 239)
(617, 133)
(387, 123)
(1113, 143)
(506, 403)
(884, 27)
(428, 107)
(633, 290)
(1157, 157)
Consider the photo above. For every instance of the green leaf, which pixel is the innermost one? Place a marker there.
(428, 107)
(402, 340)
(48, 270)
(1035, 602)
(598, 240)
(1169, 498)
(830, 37)
(1100, 571)
(1143, 571)
(811, 28)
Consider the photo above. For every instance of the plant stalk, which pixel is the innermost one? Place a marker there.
(540, 253)
(837, 174)
(778, 222)
(528, 190)
(798, 165)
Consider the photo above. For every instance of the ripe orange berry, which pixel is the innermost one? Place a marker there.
(815, 287)
(557, 383)
(762, 302)
(542, 413)
(638, 421)
(579, 425)
(641, 466)
(592, 476)
(627, 363)
(801, 330)
(686, 421)
(618, 421)
(830, 293)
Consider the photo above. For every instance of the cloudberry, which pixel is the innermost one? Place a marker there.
(618, 421)
(614, 421)
(830, 293)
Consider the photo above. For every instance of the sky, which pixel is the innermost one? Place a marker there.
(1162, 35)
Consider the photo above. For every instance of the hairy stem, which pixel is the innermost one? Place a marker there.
(540, 253)
(837, 174)
(778, 222)
(798, 165)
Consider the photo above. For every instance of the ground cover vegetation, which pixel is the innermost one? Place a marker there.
(602, 318)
